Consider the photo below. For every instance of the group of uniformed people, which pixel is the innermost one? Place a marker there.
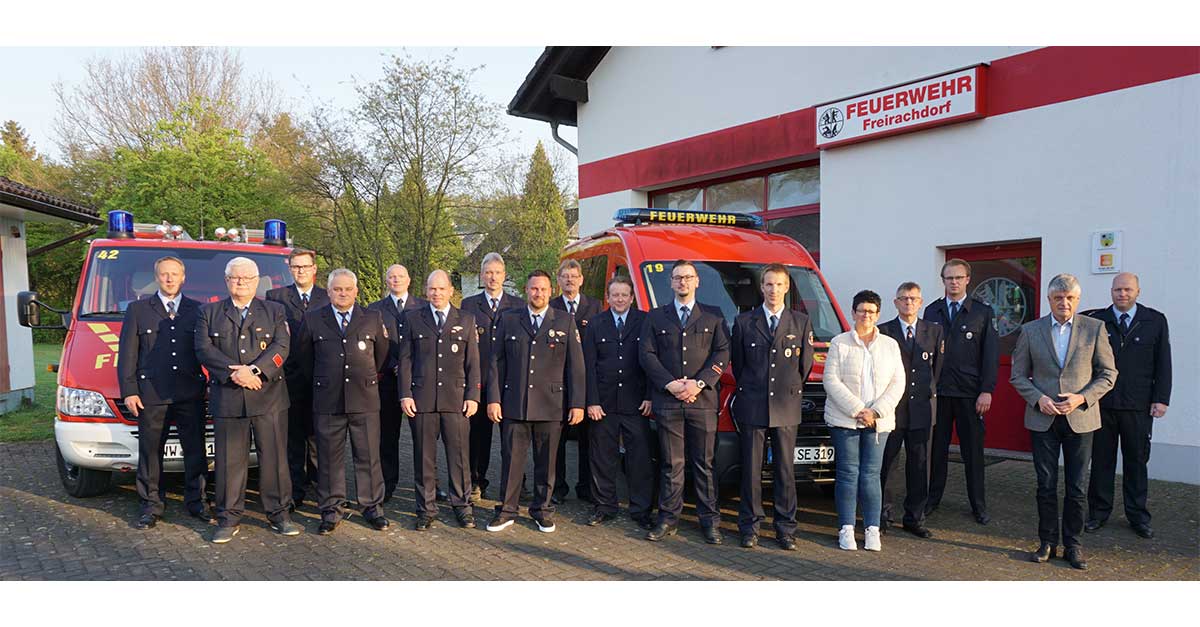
(308, 366)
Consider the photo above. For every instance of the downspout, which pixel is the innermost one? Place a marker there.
(562, 142)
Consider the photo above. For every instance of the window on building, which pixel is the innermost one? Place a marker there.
(804, 228)
(683, 200)
(794, 188)
(742, 196)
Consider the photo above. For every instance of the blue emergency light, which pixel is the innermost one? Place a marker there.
(671, 216)
(120, 224)
(275, 233)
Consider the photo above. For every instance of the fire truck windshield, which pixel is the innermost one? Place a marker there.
(117, 276)
(733, 287)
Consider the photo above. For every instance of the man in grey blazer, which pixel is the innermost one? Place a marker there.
(1062, 365)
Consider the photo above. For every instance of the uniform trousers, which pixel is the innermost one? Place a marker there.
(480, 455)
(956, 413)
(454, 428)
(687, 436)
(604, 439)
(516, 437)
(301, 439)
(752, 443)
(331, 463)
(232, 442)
(390, 419)
(916, 473)
(188, 417)
(583, 468)
(1132, 429)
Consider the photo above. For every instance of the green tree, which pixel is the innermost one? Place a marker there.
(14, 138)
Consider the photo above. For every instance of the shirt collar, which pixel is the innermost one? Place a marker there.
(904, 326)
(177, 300)
(691, 305)
(616, 316)
(962, 304)
(574, 301)
(541, 313)
(1132, 313)
(445, 312)
(349, 311)
(399, 302)
(1054, 323)
(307, 292)
(770, 313)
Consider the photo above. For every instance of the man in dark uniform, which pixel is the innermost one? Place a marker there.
(581, 308)
(243, 342)
(343, 347)
(772, 354)
(161, 382)
(1142, 346)
(684, 350)
(439, 392)
(392, 307)
(536, 371)
(486, 307)
(297, 299)
(965, 386)
(618, 407)
(921, 350)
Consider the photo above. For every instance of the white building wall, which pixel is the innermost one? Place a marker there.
(596, 213)
(16, 279)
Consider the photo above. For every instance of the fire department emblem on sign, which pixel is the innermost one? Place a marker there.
(1007, 300)
(832, 121)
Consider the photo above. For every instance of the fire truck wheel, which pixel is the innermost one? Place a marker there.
(82, 482)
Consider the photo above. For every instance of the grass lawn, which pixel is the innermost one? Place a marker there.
(36, 422)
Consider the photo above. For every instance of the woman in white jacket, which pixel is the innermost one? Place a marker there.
(864, 380)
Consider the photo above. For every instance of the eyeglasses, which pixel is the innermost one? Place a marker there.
(683, 278)
(304, 268)
(908, 299)
(866, 312)
(241, 279)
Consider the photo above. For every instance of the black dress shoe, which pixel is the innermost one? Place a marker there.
(466, 520)
(1043, 553)
(147, 521)
(599, 518)
(1143, 530)
(918, 530)
(749, 541)
(787, 543)
(712, 535)
(644, 523)
(379, 523)
(203, 513)
(1093, 525)
(423, 522)
(1074, 556)
(983, 518)
(327, 527)
(660, 531)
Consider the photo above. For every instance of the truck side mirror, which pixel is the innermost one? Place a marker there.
(29, 312)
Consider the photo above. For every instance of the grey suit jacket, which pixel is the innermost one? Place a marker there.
(1090, 371)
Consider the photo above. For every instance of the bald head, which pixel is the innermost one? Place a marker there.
(438, 288)
(1125, 291)
(397, 280)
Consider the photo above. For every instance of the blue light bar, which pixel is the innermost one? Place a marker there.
(670, 216)
(275, 233)
(120, 224)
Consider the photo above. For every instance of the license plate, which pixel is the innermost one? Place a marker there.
(174, 450)
(813, 454)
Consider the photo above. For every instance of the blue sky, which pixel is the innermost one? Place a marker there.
(304, 75)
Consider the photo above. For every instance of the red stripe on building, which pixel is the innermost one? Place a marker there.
(1025, 81)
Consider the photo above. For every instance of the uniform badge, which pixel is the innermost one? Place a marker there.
(970, 335)
(262, 346)
(362, 346)
(456, 329)
(454, 348)
(924, 356)
(583, 323)
(810, 338)
(790, 336)
(480, 331)
(787, 353)
(277, 360)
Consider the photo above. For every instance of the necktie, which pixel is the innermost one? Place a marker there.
(620, 326)
(1124, 323)
(571, 307)
(171, 310)
(953, 309)
(909, 337)
(345, 315)
(401, 303)
(774, 323)
(494, 304)
(683, 315)
(243, 311)
(441, 319)
(304, 301)
(537, 320)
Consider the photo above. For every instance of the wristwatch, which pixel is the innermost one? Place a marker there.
(700, 383)
(256, 371)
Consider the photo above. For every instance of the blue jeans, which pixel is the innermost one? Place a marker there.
(859, 457)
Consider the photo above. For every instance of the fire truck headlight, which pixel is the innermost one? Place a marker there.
(219, 232)
(75, 402)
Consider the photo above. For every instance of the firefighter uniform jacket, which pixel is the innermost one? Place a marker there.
(535, 375)
(290, 299)
(393, 319)
(224, 339)
(669, 352)
(1143, 358)
(615, 379)
(157, 357)
(972, 350)
(923, 361)
(770, 369)
(439, 370)
(485, 325)
(343, 367)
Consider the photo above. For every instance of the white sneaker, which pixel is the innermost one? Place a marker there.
(871, 539)
(846, 538)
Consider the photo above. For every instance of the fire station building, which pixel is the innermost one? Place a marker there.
(884, 162)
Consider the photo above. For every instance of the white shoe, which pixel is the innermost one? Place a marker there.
(871, 539)
(846, 538)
